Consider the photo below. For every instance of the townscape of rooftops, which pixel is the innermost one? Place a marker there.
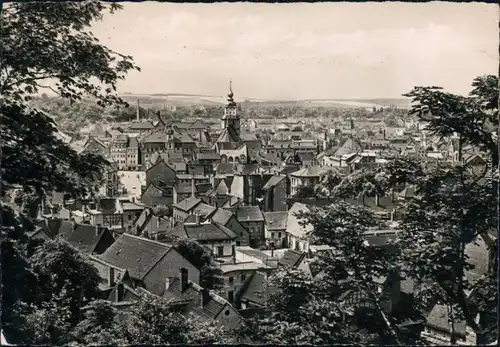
(234, 188)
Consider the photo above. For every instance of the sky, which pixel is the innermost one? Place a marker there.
(303, 51)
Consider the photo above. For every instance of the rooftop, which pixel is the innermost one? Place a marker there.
(136, 254)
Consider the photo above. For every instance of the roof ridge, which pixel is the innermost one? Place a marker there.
(147, 240)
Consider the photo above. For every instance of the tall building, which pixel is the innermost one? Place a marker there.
(232, 144)
(231, 120)
(231, 123)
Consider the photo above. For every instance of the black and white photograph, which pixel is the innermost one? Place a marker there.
(249, 173)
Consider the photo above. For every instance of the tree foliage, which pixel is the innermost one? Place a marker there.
(162, 211)
(471, 117)
(210, 275)
(47, 47)
(154, 321)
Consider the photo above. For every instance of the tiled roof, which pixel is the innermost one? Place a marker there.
(168, 157)
(157, 137)
(181, 125)
(221, 216)
(257, 290)
(142, 125)
(204, 210)
(183, 137)
(314, 171)
(54, 227)
(191, 298)
(248, 214)
(227, 136)
(274, 180)
(349, 146)
(188, 204)
(232, 202)
(203, 232)
(291, 258)
(85, 237)
(222, 188)
(276, 220)
(136, 254)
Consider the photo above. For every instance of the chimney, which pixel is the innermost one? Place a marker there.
(376, 200)
(230, 296)
(168, 282)
(193, 186)
(119, 291)
(111, 277)
(98, 229)
(184, 279)
(384, 134)
(138, 111)
(204, 297)
(393, 213)
(233, 250)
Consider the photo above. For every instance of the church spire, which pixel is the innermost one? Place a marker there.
(230, 100)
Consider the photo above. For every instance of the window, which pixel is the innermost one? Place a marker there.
(279, 234)
(272, 235)
(220, 251)
(230, 280)
(129, 217)
(243, 277)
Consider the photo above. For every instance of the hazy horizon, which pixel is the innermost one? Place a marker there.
(303, 51)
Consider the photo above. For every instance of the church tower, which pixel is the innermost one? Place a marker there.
(231, 120)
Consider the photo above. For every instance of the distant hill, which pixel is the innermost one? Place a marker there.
(198, 99)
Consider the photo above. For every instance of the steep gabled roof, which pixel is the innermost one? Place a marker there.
(86, 237)
(349, 146)
(221, 216)
(188, 204)
(190, 300)
(227, 136)
(203, 232)
(136, 254)
(273, 181)
(160, 162)
(198, 124)
(291, 258)
(248, 214)
(256, 290)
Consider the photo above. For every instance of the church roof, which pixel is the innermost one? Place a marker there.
(228, 135)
